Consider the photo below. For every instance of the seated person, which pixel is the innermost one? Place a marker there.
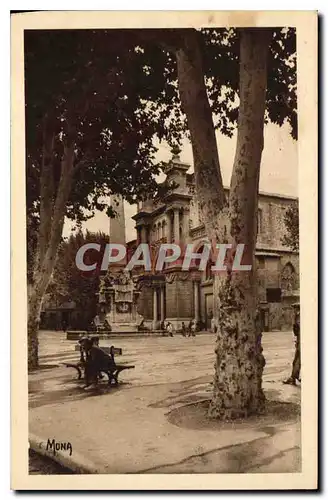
(141, 325)
(106, 326)
(97, 361)
(83, 343)
(97, 322)
(95, 340)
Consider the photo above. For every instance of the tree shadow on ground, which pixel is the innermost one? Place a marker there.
(43, 367)
(68, 389)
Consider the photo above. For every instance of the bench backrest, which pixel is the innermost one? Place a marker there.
(109, 350)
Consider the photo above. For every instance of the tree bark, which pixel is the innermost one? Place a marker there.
(52, 216)
(239, 362)
(208, 179)
(194, 101)
(46, 189)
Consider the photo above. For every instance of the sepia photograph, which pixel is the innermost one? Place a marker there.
(156, 250)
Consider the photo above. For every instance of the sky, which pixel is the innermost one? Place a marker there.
(279, 172)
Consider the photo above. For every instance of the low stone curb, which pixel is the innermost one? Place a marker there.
(123, 335)
(128, 335)
(77, 463)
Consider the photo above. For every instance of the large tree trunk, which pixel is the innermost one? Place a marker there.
(239, 360)
(52, 216)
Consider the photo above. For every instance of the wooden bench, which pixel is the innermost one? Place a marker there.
(112, 372)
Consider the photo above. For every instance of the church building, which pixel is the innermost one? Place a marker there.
(178, 296)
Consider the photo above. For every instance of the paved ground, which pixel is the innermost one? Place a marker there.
(149, 423)
(39, 464)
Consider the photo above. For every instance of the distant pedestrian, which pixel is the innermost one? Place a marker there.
(213, 325)
(107, 326)
(97, 322)
(211, 319)
(296, 367)
(64, 324)
(192, 328)
(183, 329)
(169, 329)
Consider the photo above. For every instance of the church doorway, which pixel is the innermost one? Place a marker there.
(208, 310)
(265, 320)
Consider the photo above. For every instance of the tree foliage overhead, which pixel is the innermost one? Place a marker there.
(97, 88)
(221, 66)
(116, 91)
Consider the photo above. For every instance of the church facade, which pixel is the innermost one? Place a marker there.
(179, 296)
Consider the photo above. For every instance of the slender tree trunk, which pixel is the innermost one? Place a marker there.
(239, 361)
(208, 179)
(52, 221)
(46, 189)
(194, 100)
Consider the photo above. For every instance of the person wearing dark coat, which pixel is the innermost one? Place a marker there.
(96, 360)
(296, 367)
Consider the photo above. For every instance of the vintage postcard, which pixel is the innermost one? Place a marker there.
(164, 250)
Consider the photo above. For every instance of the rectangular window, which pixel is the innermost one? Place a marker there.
(260, 262)
(273, 294)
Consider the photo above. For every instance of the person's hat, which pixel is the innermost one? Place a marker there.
(83, 338)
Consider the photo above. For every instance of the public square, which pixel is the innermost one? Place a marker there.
(155, 420)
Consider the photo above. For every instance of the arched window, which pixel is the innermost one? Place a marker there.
(288, 277)
(164, 229)
(208, 272)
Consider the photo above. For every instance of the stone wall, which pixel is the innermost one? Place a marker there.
(179, 300)
(272, 226)
(145, 303)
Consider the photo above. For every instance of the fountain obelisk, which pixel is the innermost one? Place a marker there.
(117, 228)
(117, 293)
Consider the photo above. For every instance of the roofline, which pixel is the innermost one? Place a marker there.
(272, 195)
(277, 195)
(261, 193)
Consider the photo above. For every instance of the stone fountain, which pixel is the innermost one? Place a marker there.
(118, 301)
